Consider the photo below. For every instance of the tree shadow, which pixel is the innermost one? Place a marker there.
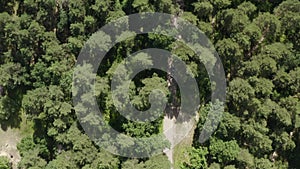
(10, 111)
(172, 111)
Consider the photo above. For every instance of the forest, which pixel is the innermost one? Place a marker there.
(258, 42)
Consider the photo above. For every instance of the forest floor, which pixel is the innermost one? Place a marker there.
(181, 150)
(8, 145)
(168, 124)
(11, 136)
(178, 152)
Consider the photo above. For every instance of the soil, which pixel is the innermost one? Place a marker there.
(8, 145)
(178, 131)
(168, 123)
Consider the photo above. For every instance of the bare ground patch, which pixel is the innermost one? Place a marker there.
(11, 135)
(8, 145)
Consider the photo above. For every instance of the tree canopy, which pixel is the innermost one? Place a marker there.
(257, 41)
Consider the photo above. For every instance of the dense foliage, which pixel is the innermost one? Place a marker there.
(4, 163)
(258, 42)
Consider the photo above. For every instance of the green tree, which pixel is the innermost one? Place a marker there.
(32, 160)
(4, 163)
(245, 159)
(223, 152)
(231, 21)
(289, 16)
(197, 159)
(64, 160)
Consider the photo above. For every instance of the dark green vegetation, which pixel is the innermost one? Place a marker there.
(258, 41)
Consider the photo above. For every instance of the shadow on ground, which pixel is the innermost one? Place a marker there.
(10, 113)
